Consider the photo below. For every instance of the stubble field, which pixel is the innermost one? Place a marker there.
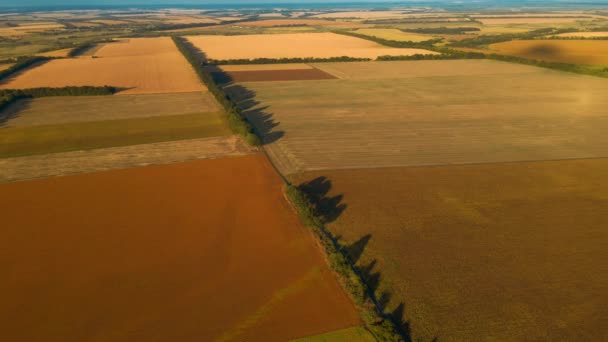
(505, 252)
(427, 113)
(110, 256)
(318, 45)
(564, 51)
(142, 65)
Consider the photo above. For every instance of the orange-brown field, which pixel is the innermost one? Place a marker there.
(491, 252)
(206, 250)
(293, 45)
(142, 65)
(564, 51)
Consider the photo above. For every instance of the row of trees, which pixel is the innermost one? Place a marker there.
(9, 96)
(237, 123)
(21, 64)
(286, 60)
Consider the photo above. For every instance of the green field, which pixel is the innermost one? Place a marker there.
(491, 252)
(29, 140)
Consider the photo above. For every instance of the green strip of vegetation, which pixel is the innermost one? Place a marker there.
(32, 140)
(484, 40)
(9, 96)
(442, 30)
(427, 44)
(21, 64)
(376, 321)
(237, 123)
(286, 60)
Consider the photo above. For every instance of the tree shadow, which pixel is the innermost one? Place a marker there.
(266, 127)
(328, 208)
(13, 111)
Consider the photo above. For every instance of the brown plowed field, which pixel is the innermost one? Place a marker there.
(272, 75)
(186, 252)
(142, 65)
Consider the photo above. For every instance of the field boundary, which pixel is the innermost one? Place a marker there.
(237, 123)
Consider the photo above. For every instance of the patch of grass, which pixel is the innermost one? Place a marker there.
(32, 140)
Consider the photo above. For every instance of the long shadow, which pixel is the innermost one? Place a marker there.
(260, 118)
(13, 111)
(329, 207)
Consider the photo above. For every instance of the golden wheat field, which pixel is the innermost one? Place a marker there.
(318, 45)
(142, 65)
(584, 34)
(564, 51)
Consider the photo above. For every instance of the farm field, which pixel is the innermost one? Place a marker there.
(584, 34)
(145, 268)
(318, 45)
(142, 65)
(394, 34)
(291, 74)
(307, 22)
(357, 334)
(382, 114)
(121, 157)
(63, 137)
(565, 51)
(504, 252)
(66, 109)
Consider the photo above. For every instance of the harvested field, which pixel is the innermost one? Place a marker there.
(67, 109)
(319, 45)
(123, 157)
(260, 67)
(271, 75)
(29, 140)
(583, 34)
(143, 65)
(564, 51)
(55, 53)
(206, 250)
(284, 22)
(428, 113)
(363, 15)
(494, 252)
(358, 334)
(394, 34)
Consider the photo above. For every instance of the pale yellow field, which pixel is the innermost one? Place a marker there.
(143, 65)
(394, 34)
(319, 45)
(55, 53)
(309, 22)
(264, 67)
(584, 34)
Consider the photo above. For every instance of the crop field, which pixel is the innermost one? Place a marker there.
(66, 109)
(382, 114)
(491, 252)
(41, 139)
(5, 66)
(394, 34)
(142, 65)
(319, 45)
(584, 34)
(564, 51)
(271, 75)
(147, 269)
(528, 20)
(307, 22)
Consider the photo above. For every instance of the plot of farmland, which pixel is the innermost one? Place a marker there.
(493, 252)
(318, 45)
(564, 51)
(65, 109)
(197, 251)
(142, 65)
(394, 34)
(428, 113)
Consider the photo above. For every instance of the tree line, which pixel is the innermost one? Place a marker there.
(237, 123)
(9, 96)
(21, 63)
(427, 44)
(492, 39)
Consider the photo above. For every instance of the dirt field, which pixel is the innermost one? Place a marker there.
(495, 252)
(319, 45)
(428, 113)
(272, 75)
(147, 269)
(584, 34)
(66, 109)
(143, 65)
(42, 139)
(112, 158)
(565, 51)
(394, 34)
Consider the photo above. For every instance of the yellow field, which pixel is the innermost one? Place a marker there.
(142, 65)
(394, 34)
(263, 67)
(584, 34)
(319, 45)
(564, 51)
